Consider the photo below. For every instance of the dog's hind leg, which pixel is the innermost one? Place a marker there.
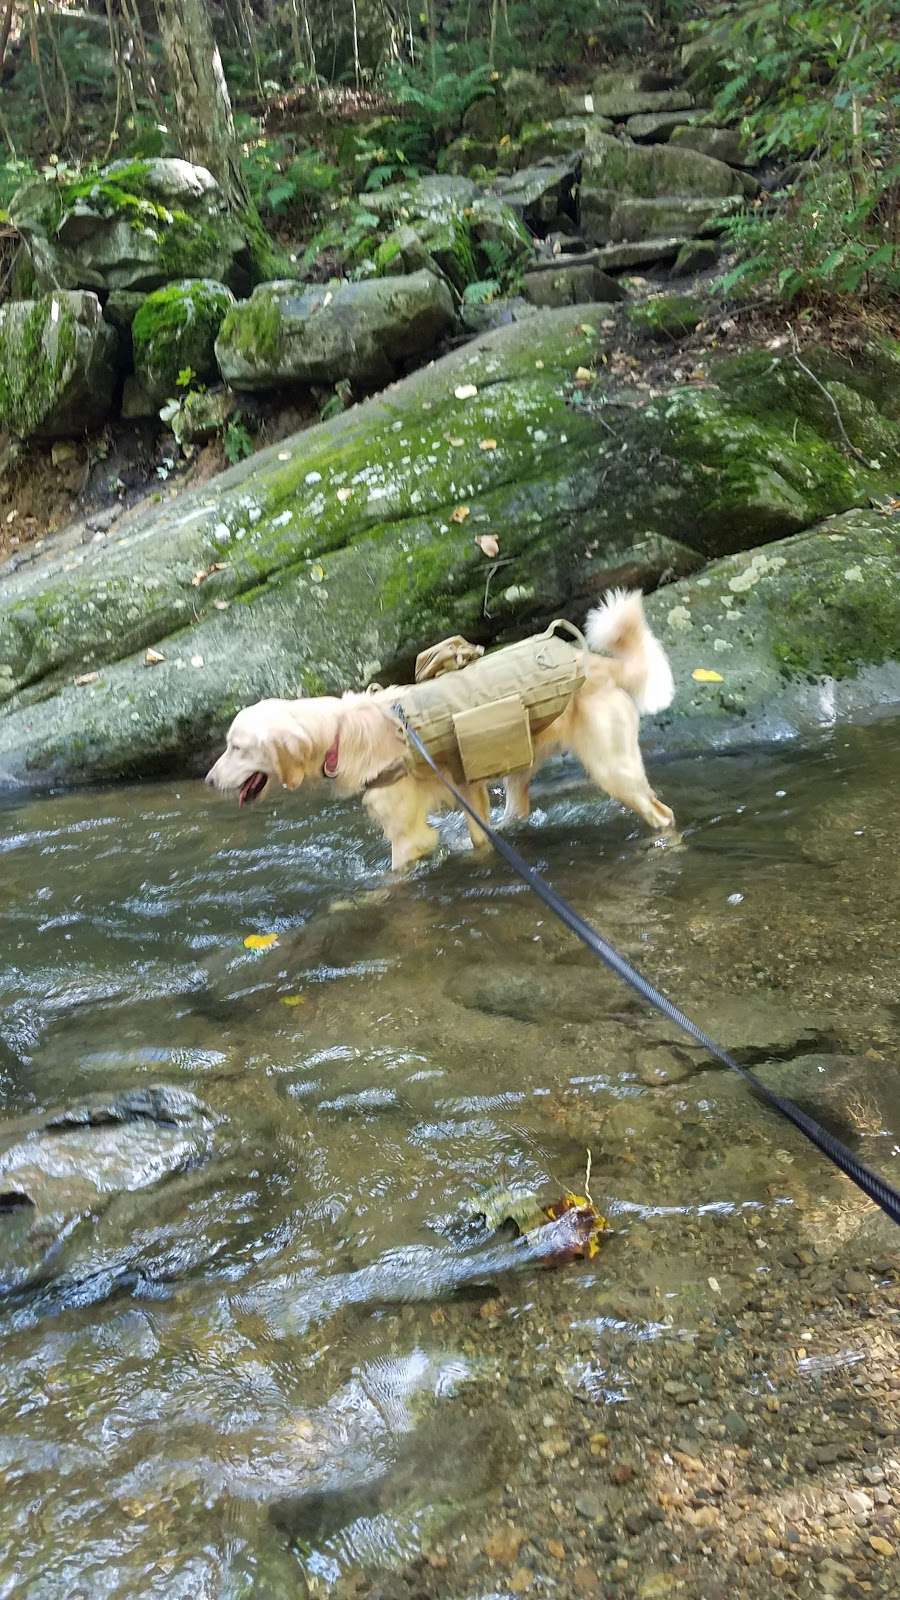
(402, 810)
(478, 796)
(518, 799)
(605, 740)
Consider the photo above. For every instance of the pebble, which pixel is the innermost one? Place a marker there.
(881, 1546)
(590, 1506)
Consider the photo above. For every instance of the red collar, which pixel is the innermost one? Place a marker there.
(330, 764)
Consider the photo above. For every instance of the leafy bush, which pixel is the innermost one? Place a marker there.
(283, 181)
(441, 102)
(819, 82)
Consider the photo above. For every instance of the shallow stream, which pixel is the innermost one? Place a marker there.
(273, 1355)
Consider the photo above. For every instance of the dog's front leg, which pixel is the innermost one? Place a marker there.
(402, 810)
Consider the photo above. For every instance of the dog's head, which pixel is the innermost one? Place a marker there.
(285, 741)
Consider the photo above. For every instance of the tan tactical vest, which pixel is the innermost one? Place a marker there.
(478, 719)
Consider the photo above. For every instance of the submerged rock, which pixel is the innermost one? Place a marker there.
(347, 548)
(66, 1167)
(359, 332)
(57, 365)
(136, 225)
(175, 331)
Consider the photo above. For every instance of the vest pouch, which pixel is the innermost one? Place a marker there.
(494, 739)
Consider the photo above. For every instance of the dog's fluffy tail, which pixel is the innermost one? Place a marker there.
(619, 627)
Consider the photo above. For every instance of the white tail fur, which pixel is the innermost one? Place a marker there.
(619, 627)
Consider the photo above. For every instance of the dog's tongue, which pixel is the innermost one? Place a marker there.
(251, 788)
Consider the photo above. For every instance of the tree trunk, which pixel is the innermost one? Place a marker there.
(205, 121)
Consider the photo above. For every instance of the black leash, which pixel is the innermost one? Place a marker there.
(871, 1183)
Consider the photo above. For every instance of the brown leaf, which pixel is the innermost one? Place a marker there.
(84, 678)
(488, 544)
(487, 444)
(460, 514)
(153, 658)
(207, 572)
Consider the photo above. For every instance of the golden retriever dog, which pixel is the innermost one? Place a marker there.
(355, 743)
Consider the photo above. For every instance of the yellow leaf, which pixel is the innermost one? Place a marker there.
(317, 573)
(504, 140)
(455, 440)
(583, 374)
(706, 675)
(260, 941)
(293, 999)
(460, 514)
(487, 444)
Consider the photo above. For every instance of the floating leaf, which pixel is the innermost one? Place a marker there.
(317, 573)
(706, 675)
(466, 391)
(487, 444)
(583, 1227)
(583, 375)
(260, 941)
(84, 678)
(455, 440)
(460, 514)
(292, 999)
(344, 494)
(153, 658)
(488, 544)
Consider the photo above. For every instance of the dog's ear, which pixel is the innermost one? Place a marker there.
(289, 753)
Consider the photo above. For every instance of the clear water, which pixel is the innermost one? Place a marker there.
(286, 1364)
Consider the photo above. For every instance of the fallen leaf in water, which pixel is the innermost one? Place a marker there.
(344, 495)
(84, 678)
(487, 444)
(153, 658)
(583, 374)
(460, 514)
(260, 941)
(317, 573)
(706, 675)
(292, 999)
(466, 391)
(455, 440)
(582, 1227)
(488, 544)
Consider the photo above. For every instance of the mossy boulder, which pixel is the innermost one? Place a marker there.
(175, 331)
(135, 225)
(543, 196)
(361, 333)
(655, 127)
(549, 141)
(613, 171)
(722, 144)
(340, 562)
(513, 101)
(57, 365)
(667, 316)
(627, 94)
(635, 218)
(799, 634)
(446, 224)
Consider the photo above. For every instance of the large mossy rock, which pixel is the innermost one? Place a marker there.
(57, 365)
(137, 225)
(802, 632)
(175, 330)
(340, 562)
(358, 332)
(614, 170)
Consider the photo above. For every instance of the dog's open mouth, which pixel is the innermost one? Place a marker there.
(252, 788)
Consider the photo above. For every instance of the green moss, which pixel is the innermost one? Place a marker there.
(831, 626)
(36, 358)
(254, 328)
(667, 315)
(175, 328)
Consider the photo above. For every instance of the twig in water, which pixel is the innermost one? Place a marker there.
(848, 443)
